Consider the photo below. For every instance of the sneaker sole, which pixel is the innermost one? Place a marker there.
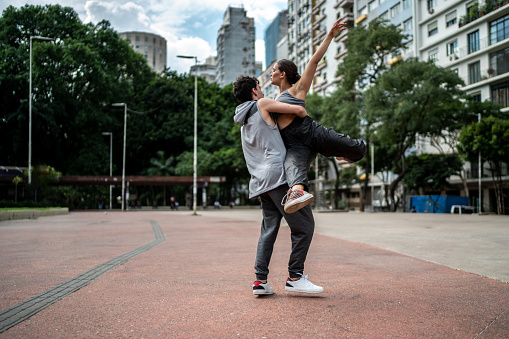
(297, 205)
(289, 289)
(262, 293)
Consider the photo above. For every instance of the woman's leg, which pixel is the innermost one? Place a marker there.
(297, 163)
(330, 143)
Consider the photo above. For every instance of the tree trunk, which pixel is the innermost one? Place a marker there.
(367, 170)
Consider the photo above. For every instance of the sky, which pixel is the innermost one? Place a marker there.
(189, 26)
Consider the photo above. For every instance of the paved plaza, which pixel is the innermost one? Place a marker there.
(143, 274)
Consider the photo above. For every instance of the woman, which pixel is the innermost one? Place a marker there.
(304, 138)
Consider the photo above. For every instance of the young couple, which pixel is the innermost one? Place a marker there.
(280, 141)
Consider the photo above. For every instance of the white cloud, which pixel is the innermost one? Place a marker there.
(260, 52)
(189, 26)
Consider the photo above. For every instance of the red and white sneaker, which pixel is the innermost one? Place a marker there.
(260, 288)
(295, 199)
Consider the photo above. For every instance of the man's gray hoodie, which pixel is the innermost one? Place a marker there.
(263, 148)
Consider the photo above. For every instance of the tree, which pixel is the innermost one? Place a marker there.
(447, 142)
(75, 80)
(491, 138)
(369, 48)
(413, 99)
(431, 171)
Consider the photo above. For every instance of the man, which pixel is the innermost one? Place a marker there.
(265, 152)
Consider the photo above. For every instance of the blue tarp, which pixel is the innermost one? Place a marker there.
(437, 204)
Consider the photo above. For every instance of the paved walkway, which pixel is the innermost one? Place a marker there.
(170, 274)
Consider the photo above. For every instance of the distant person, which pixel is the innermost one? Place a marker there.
(264, 153)
(413, 210)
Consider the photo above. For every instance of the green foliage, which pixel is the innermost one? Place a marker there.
(415, 98)
(75, 79)
(368, 49)
(348, 176)
(490, 137)
(431, 171)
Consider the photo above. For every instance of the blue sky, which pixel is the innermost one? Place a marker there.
(189, 26)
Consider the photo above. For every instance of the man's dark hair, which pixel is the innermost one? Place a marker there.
(242, 88)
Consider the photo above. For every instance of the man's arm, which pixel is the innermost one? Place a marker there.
(273, 106)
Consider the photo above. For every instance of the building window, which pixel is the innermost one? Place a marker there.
(473, 42)
(381, 1)
(408, 27)
(474, 72)
(363, 11)
(385, 16)
(476, 97)
(450, 19)
(395, 10)
(452, 47)
(372, 5)
(432, 28)
(433, 55)
(431, 4)
(499, 30)
(499, 62)
(500, 95)
(406, 4)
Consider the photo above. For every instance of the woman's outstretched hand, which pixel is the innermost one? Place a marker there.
(337, 27)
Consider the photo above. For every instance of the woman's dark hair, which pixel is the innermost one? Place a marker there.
(242, 88)
(290, 70)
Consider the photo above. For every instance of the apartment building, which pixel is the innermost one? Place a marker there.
(151, 46)
(235, 46)
(471, 38)
(206, 69)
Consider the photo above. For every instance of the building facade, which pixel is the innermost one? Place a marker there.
(206, 70)
(151, 46)
(277, 30)
(235, 46)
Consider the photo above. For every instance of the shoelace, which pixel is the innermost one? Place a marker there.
(303, 276)
(288, 196)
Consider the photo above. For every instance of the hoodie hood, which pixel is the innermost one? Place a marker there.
(241, 112)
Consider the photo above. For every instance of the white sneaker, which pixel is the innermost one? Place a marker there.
(295, 199)
(303, 285)
(260, 288)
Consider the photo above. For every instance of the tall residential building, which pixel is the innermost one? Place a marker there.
(472, 39)
(397, 12)
(151, 46)
(235, 46)
(277, 30)
(325, 13)
(206, 70)
(300, 33)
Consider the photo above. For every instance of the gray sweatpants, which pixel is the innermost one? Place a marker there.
(302, 226)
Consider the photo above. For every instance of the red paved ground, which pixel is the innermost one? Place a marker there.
(197, 284)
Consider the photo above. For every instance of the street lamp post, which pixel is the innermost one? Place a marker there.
(111, 159)
(41, 38)
(195, 160)
(123, 157)
(480, 167)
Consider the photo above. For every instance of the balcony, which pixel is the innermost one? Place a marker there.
(478, 12)
(344, 4)
(316, 8)
(340, 54)
(318, 37)
(348, 18)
